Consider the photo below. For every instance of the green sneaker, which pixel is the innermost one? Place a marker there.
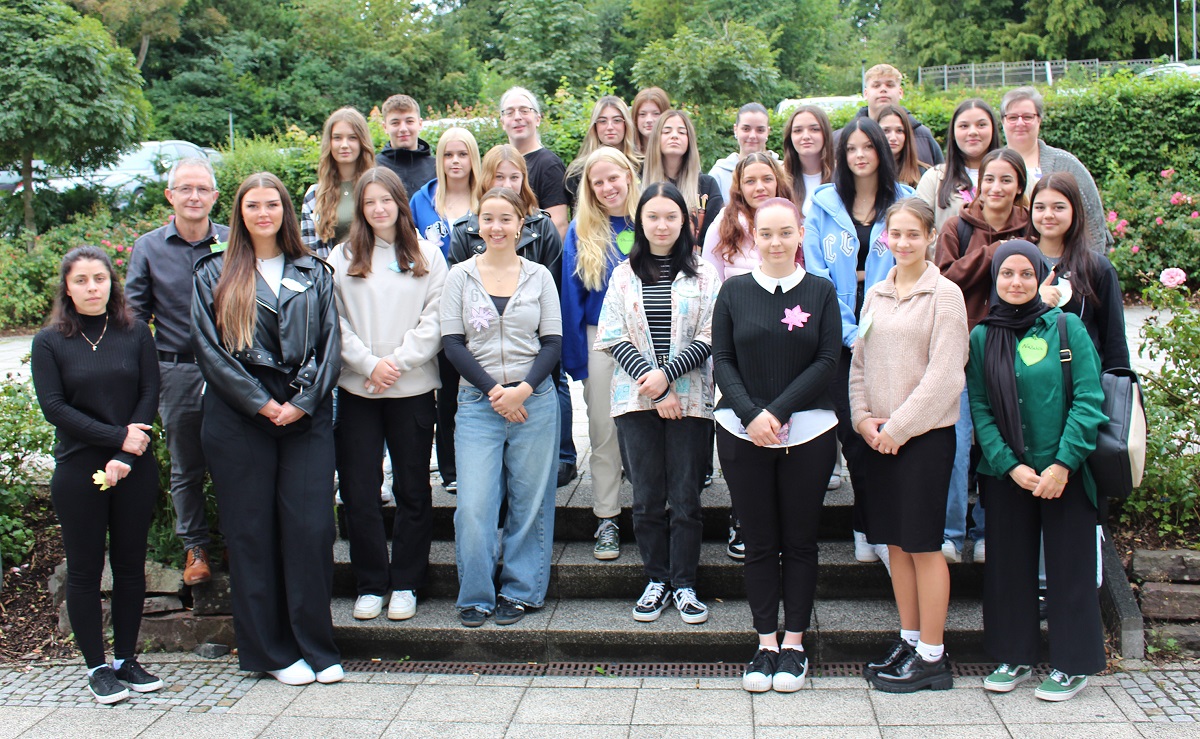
(1006, 677)
(608, 540)
(1060, 686)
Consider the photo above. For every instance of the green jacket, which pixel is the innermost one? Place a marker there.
(1051, 435)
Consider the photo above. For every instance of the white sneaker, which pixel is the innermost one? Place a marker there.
(368, 607)
(403, 605)
(385, 492)
(297, 673)
(950, 552)
(331, 674)
(835, 482)
(864, 551)
(980, 552)
(885, 556)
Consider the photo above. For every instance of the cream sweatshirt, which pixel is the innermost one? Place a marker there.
(390, 314)
(908, 366)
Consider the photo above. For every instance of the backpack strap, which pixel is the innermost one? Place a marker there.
(1064, 357)
(965, 231)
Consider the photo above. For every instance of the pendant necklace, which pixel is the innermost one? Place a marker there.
(96, 343)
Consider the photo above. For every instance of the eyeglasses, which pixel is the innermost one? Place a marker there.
(1020, 118)
(187, 191)
(510, 112)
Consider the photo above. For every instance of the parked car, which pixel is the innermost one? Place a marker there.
(830, 104)
(10, 179)
(1191, 70)
(134, 171)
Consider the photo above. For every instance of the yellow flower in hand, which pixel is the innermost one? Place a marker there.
(98, 478)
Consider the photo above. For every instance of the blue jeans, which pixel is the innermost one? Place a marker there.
(956, 501)
(566, 442)
(522, 458)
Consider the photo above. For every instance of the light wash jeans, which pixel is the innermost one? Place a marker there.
(493, 455)
(956, 501)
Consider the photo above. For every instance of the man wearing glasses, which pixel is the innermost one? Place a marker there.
(158, 286)
(520, 115)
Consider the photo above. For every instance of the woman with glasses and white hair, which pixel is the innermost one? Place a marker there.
(1021, 112)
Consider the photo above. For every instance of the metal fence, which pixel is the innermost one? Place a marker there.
(1005, 74)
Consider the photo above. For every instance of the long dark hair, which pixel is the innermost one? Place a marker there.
(362, 236)
(683, 255)
(233, 297)
(885, 176)
(955, 177)
(791, 157)
(1076, 263)
(1014, 160)
(63, 317)
(908, 168)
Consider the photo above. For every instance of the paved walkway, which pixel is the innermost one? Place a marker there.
(213, 699)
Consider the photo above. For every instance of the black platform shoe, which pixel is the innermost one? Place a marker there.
(914, 674)
(899, 650)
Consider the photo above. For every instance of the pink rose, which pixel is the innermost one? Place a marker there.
(1167, 173)
(120, 248)
(1112, 216)
(120, 262)
(1159, 220)
(105, 242)
(1177, 198)
(1195, 214)
(1135, 248)
(1172, 277)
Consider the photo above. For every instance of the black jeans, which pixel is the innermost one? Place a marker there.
(363, 425)
(179, 405)
(1067, 525)
(779, 494)
(666, 468)
(447, 406)
(853, 446)
(87, 516)
(274, 489)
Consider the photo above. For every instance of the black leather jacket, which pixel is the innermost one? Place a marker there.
(539, 242)
(297, 351)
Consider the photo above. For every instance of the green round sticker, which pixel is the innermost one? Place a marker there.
(625, 242)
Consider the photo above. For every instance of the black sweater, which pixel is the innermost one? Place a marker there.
(1103, 314)
(90, 397)
(761, 363)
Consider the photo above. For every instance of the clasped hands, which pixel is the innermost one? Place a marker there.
(136, 442)
(1048, 485)
(509, 402)
(877, 437)
(652, 385)
(281, 415)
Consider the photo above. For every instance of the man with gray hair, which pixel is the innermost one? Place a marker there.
(158, 286)
(520, 115)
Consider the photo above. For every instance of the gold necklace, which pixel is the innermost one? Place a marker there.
(96, 343)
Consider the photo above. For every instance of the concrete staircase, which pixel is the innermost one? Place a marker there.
(587, 613)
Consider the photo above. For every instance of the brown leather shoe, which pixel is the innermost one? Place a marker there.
(196, 570)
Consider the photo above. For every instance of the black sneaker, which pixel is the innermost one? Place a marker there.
(736, 549)
(106, 687)
(1043, 608)
(708, 480)
(472, 617)
(654, 599)
(134, 675)
(759, 673)
(450, 486)
(895, 656)
(567, 471)
(508, 612)
(790, 671)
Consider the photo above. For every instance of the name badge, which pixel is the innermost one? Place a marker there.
(292, 285)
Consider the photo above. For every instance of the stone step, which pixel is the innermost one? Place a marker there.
(602, 629)
(575, 573)
(574, 520)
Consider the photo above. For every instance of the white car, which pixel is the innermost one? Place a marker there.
(134, 171)
(829, 104)
(1190, 70)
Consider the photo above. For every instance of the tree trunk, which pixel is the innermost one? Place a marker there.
(27, 197)
(141, 59)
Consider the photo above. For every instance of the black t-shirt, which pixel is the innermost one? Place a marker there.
(863, 231)
(546, 175)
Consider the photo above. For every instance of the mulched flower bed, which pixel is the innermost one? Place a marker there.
(28, 618)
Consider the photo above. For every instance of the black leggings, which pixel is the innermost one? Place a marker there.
(87, 516)
(778, 494)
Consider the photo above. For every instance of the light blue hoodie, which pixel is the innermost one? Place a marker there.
(831, 251)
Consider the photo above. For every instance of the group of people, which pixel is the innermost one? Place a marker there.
(781, 307)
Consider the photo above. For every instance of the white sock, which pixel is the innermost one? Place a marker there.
(92, 670)
(794, 647)
(910, 636)
(117, 663)
(769, 649)
(930, 652)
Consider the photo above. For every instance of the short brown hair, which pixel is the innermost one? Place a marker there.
(886, 71)
(400, 104)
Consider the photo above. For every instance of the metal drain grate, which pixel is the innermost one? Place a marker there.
(624, 669)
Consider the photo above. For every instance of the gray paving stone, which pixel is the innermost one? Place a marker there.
(205, 726)
(1090, 705)
(310, 727)
(15, 719)
(961, 706)
(266, 696)
(1173, 731)
(692, 708)
(979, 731)
(93, 721)
(427, 729)
(1127, 705)
(361, 700)
(576, 731)
(814, 708)
(614, 706)
(1075, 731)
(460, 704)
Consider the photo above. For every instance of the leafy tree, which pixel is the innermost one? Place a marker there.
(71, 97)
(1085, 29)
(707, 64)
(546, 41)
(136, 22)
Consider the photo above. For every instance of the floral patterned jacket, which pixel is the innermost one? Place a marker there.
(622, 318)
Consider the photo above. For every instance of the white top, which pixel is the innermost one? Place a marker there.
(974, 175)
(811, 183)
(770, 283)
(272, 272)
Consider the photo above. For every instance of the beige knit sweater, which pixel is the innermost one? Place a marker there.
(908, 368)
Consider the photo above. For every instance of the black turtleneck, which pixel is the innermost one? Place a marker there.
(91, 396)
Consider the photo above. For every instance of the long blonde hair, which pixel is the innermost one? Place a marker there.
(655, 170)
(452, 134)
(591, 141)
(233, 297)
(594, 234)
(328, 179)
(497, 155)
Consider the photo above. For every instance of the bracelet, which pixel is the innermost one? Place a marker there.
(1055, 477)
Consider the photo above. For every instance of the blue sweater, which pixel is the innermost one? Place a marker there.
(431, 226)
(831, 251)
(580, 306)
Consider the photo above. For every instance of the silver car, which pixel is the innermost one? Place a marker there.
(134, 171)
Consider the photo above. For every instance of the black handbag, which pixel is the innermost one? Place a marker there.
(1119, 460)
